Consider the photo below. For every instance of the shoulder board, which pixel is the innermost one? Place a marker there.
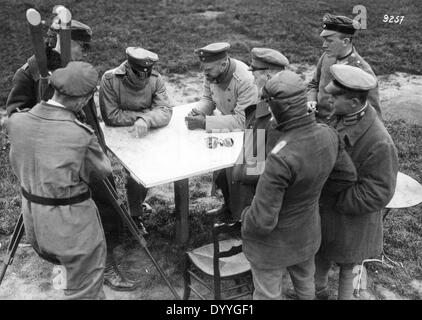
(279, 146)
(108, 75)
(155, 73)
(84, 126)
(237, 77)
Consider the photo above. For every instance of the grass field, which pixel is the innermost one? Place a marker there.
(173, 28)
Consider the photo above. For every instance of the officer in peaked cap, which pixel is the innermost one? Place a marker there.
(337, 34)
(134, 94)
(228, 89)
(141, 60)
(146, 104)
(352, 229)
(265, 64)
(351, 79)
(60, 217)
(213, 52)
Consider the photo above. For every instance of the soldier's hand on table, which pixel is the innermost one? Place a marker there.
(196, 112)
(195, 122)
(312, 106)
(140, 128)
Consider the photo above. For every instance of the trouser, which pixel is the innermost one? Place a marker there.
(268, 282)
(345, 285)
(222, 182)
(236, 195)
(111, 221)
(73, 237)
(241, 197)
(136, 194)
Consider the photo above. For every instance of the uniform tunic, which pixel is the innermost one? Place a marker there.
(230, 96)
(323, 76)
(122, 103)
(25, 95)
(282, 225)
(251, 163)
(352, 228)
(55, 156)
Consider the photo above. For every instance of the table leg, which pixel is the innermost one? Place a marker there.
(181, 199)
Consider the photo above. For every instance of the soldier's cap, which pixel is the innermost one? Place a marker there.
(213, 52)
(265, 58)
(79, 31)
(77, 79)
(332, 24)
(350, 78)
(284, 85)
(141, 59)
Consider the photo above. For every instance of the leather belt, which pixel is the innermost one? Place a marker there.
(56, 201)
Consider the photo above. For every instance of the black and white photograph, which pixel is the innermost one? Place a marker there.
(221, 150)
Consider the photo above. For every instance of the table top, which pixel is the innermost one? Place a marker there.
(170, 153)
(408, 192)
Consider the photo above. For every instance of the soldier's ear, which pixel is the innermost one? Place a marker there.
(356, 103)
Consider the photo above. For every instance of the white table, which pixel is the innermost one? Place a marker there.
(172, 154)
(408, 192)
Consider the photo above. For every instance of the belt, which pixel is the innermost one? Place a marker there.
(56, 201)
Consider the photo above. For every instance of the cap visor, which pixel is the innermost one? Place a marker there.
(326, 33)
(331, 88)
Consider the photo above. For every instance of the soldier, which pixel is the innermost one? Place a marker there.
(24, 94)
(351, 221)
(281, 228)
(55, 157)
(134, 94)
(228, 89)
(265, 64)
(338, 36)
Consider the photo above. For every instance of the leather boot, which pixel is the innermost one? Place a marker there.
(114, 279)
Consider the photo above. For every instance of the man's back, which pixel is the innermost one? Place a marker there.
(49, 151)
(284, 213)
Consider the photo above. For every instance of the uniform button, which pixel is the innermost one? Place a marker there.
(228, 89)
(228, 100)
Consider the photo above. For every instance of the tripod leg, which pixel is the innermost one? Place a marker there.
(136, 233)
(13, 246)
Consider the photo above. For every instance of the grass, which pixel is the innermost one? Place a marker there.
(174, 28)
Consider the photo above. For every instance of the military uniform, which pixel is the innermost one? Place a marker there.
(25, 94)
(352, 228)
(122, 102)
(281, 228)
(55, 157)
(251, 163)
(322, 75)
(230, 94)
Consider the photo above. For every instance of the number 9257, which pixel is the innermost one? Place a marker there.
(393, 19)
